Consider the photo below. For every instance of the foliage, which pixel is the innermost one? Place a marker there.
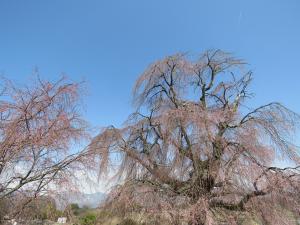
(193, 145)
(38, 124)
(75, 209)
(74, 206)
(88, 219)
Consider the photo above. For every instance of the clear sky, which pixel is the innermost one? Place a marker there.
(109, 42)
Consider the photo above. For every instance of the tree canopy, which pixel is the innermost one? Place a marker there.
(194, 144)
(38, 125)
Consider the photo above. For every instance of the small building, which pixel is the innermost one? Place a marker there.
(62, 220)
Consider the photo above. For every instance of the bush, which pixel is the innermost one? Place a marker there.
(89, 219)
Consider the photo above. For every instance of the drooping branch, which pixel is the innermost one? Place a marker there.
(38, 125)
(192, 140)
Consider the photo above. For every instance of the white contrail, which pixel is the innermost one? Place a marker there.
(240, 18)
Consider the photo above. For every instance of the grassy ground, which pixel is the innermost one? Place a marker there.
(101, 217)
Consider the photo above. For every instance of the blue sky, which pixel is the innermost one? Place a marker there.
(108, 43)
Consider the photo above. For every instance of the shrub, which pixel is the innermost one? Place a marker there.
(89, 219)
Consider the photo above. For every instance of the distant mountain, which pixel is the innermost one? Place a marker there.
(82, 199)
(92, 200)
